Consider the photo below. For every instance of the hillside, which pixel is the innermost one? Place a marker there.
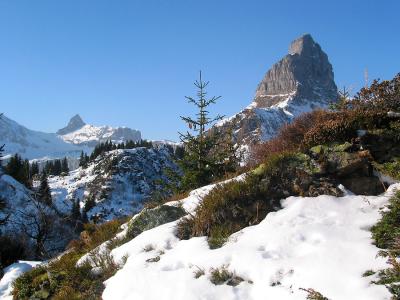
(315, 219)
(114, 185)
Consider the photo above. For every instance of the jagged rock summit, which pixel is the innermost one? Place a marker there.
(305, 73)
(75, 123)
(301, 81)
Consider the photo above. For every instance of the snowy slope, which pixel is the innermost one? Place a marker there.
(23, 214)
(322, 243)
(32, 144)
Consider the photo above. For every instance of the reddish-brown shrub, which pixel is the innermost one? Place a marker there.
(289, 138)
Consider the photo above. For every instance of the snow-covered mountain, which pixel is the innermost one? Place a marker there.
(32, 144)
(300, 82)
(77, 132)
(68, 141)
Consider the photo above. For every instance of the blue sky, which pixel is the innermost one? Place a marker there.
(130, 63)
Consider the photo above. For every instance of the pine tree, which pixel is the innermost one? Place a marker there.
(198, 163)
(34, 169)
(75, 211)
(1, 157)
(44, 191)
(64, 166)
(19, 169)
(84, 160)
(343, 101)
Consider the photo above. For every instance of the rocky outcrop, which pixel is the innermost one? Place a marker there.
(350, 166)
(150, 218)
(301, 81)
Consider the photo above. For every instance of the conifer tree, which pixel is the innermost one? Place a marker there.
(19, 169)
(34, 169)
(64, 166)
(75, 211)
(198, 163)
(44, 191)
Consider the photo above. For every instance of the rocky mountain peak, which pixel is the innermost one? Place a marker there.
(300, 82)
(303, 45)
(74, 123)
(304, 75)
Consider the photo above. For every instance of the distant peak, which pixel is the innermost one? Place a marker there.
(74, 124)
(76, 120)
(303, 45)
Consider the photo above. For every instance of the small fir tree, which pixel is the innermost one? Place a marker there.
(198, 162)
(44, 191)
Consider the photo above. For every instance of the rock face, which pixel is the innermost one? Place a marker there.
(300, 82)
(75, 123)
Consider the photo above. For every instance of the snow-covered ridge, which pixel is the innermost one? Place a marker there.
(90, 135)
(32, 144)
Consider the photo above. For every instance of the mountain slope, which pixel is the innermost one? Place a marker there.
(301, 81)
(32, 144)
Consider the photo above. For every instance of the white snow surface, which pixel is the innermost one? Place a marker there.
(11, 273)
(322, 243)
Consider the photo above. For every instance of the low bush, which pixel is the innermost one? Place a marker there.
(62, 279)
(231, 206)
(387, 230)
(224, 276)
(386, 235)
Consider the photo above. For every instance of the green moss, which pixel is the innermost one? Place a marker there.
(391, 169)
(342, 147)
(319, 149)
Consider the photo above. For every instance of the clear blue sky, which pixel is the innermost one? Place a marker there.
(131, 63)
